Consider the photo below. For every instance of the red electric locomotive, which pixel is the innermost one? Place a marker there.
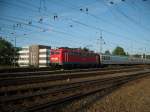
(73, 57)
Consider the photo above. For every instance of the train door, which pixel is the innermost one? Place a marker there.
(66, 57)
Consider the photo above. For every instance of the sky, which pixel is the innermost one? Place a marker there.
(78, 23)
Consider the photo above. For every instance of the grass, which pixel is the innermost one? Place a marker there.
(133, 97)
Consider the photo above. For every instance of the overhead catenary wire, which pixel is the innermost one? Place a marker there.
(123, 21)
(59, 31)
(94, 28)
(76, 8)
(62, 32)
(40, 28)
(96, 17)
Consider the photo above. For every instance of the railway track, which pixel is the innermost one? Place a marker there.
(19, 80)
(27, 98)
(45, 72)
(111, 85)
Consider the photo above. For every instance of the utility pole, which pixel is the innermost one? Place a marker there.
(15, 53)
(101, 42)
(14, 57)
(132, 49)
(145, 53)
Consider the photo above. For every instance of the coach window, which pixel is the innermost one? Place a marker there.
(103, 57)
(108, 57)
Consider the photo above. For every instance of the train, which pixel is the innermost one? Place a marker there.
(77, 58)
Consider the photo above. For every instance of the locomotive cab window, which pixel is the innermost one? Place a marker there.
(57, 52)
(52, 53)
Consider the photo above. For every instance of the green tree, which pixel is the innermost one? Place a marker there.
(107, 52)
(119, 51)
(86, 49)
(8, 54)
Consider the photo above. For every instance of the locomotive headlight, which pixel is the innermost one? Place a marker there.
(54, 59)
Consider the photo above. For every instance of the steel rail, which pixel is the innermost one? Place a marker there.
(44, 85)
(110, 85)
(20, 74)
(59, 88)
(100, 81)
(41, 78)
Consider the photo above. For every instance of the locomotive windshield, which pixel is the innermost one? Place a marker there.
(55, 52)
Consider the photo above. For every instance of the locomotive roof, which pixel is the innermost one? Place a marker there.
(74, 49)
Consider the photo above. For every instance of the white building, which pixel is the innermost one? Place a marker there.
(34, 55)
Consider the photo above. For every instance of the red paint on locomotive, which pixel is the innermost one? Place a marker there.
(65, 56)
